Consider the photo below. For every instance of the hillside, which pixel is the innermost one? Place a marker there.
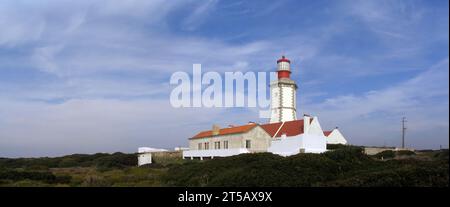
(345, 166)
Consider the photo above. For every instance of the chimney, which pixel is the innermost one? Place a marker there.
(306, 123)
(215, 129)
(251, 122)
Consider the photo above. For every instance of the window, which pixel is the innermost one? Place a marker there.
(206, 145)
(248, 144)
(199, 146)
(225, 144)
(216, 145)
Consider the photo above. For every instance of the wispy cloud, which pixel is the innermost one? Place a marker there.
(423, 99)
(199, 15)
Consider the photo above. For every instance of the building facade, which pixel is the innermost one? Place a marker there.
(228, 141)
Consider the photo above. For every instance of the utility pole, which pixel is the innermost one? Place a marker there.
(403, 131)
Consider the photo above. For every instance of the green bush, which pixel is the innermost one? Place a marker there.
(101, 160)
(265, 169)
(405, 153)
(46, 176)
(442, 154)
(116, 160)
(335, 146)
(344, 166)
(387, 154)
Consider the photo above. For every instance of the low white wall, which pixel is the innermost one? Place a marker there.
(214, 152)
(144, 158)
(314, 143)
(291, 145)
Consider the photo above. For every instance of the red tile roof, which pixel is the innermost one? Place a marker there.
(225, 131)
(326, 133)
(290, 128)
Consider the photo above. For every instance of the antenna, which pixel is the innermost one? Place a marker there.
(403, 131)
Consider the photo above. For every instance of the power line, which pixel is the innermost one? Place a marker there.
(403, 131)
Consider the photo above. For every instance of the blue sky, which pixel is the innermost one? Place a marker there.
(93, 76)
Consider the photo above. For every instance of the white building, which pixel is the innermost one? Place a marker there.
(229, 141)
(145, 155)
(335, 137)
(282, 138)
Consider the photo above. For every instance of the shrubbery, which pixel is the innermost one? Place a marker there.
(46, 177)
(442, 154)
(335, 146)
(405, 153)
(343, 166)
(347, 166)
(387, 154)
(101, 160)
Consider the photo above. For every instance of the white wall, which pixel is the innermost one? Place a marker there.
(144, 158)
(287, 146)
(315, 128)
(336, 137)
(311, 141)
(314, 143)
(275, 103)
(282, 96)
(213, 153)
(288, 103)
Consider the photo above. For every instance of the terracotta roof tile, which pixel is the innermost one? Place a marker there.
(326, 133)
(225, 131)
(290, 128)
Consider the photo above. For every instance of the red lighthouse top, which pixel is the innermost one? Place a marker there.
(284, 69)
(283, 59)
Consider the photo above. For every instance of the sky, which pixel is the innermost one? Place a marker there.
(94, 76)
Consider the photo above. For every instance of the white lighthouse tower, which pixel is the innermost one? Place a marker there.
(283, 94)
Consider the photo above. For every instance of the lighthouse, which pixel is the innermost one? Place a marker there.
(283, 94)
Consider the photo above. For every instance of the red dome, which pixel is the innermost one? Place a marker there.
(283, 59)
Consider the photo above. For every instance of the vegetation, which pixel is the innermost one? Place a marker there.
(344, 166)
(335, 146)
(388, 154)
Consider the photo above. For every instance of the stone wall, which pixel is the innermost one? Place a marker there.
(376, 150)
(167, 157)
